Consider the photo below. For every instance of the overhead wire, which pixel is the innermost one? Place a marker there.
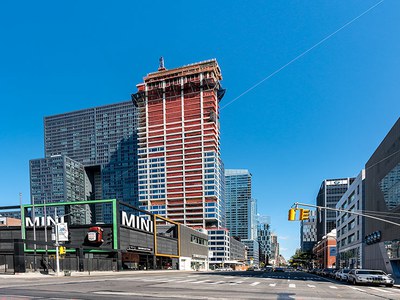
(301, 55)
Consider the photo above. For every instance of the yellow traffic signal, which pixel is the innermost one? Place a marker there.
(292, 214)
(304, 214)
(62, 250)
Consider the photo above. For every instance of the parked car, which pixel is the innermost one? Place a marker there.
(373, 277)
(341, 275)
(328, 272)
(279, 269)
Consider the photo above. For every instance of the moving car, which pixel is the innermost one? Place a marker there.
(374, 277)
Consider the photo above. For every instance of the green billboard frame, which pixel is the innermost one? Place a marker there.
(114, 221)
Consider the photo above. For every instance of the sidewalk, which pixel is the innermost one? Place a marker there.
(86, 273)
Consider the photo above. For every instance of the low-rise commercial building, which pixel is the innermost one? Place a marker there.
(135, 239)
(325, 251)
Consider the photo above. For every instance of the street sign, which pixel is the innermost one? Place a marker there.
(62, 230)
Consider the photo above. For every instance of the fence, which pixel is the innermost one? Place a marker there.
(68, 263)
(7, 264)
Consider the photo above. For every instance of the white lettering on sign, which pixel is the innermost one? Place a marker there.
(39, 221)
(137, 222)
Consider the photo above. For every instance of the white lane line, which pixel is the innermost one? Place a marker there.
(236, 282)
(255, 283)
(187, 280)
(378, 289)
(292, 285)
(333, 287)
(193, 275)
(141, 295)
(272, 284)
(311, 286)
(354, 288)
(217, 282)
(201, 281)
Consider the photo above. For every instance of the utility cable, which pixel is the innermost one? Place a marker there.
(301, 55)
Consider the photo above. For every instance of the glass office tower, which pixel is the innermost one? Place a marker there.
(101, 143)
(240, 207)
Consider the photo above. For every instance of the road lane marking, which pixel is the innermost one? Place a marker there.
(292, 285)
(152, 295)
(193, 275)
(187, 280)
(333, 287)
(235, 283)
(255, 283)
(216, 282)
(311, 286)
(378, 289)
(201, 281)
(272, 284)
(354, 288)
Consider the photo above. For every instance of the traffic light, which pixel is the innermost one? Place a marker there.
(304, 214)
(292, 214)
(62, 250)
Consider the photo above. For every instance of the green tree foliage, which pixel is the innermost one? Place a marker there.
(301, 259)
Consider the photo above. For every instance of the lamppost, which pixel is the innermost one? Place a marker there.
(34, 233)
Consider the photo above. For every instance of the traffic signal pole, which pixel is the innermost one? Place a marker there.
(296, 204)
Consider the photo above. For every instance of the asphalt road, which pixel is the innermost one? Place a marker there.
(189, 285)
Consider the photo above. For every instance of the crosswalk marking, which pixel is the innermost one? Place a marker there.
(216, 282)
(255, 283)
(333, 287)
(311, 286)
(378, 289)
(292, 285)
(272, 284)
(187, 280)
(354, 288)
(201, 281)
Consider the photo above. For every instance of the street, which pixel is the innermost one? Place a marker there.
(188, 285)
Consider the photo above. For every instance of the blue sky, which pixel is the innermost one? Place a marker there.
(320, 117)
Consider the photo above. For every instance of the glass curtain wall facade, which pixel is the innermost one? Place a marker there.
(308, 233)
(240, 207)
(58, 179)
(329, 194)
(180, 168)
(103, 141)
(264, 241)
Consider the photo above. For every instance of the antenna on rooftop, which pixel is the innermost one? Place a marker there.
(161, 66)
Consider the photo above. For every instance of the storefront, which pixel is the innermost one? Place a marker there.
(133, 240)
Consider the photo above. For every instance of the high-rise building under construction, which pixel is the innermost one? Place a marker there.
(180, 170)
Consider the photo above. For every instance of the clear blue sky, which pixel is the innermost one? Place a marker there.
(320, 117)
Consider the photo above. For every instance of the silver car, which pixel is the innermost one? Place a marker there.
(342, 274)
(374, 277)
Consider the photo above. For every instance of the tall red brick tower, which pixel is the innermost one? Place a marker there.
(180, 170)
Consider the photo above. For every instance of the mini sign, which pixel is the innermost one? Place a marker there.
(137, 222)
